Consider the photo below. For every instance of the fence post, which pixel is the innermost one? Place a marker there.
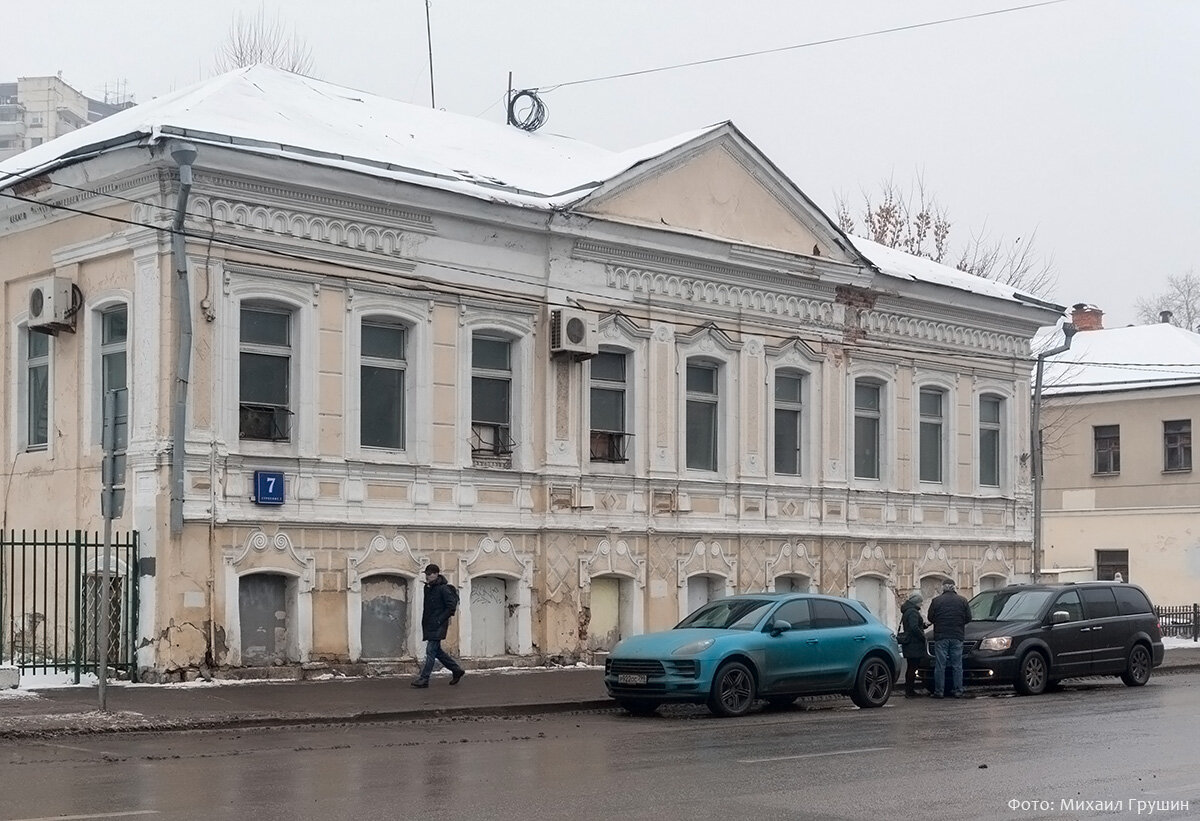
(3, 587)
(77, 595)
(1195, 622)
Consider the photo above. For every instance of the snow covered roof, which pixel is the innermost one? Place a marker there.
(903, 265)
(268, 111)
(1120, 359)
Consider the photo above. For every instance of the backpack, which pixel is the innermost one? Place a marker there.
(451, 597)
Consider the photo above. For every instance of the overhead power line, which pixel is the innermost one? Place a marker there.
(810, 44)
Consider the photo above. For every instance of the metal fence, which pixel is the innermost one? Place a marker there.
(51, 592)
(1182, 622)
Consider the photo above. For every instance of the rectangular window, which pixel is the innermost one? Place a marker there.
(609, 441)
(1177, 442)
(989, 440)
(264, 378)
(931, 436)
(867, 419)
(114, 333)
(702, 407)
(37, 387)
(789, 407)
(381, 385)
(1107, 439)
(1111, 562)
(491, 396)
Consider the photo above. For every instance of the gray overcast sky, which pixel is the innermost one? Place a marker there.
(1078, 120)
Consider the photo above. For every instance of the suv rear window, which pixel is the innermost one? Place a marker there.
(1130, 601)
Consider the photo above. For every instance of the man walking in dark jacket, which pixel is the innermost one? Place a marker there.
(949, 614)
(441, 600)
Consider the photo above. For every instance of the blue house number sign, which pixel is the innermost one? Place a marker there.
(268, 487)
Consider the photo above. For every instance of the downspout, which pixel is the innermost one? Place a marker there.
(184, 155)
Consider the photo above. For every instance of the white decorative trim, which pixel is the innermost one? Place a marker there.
(384, 556)
(498, 558)
(705, 559)
(993, 563)
(268, 554)
(616, 559)
(793, 560)
(936, 563)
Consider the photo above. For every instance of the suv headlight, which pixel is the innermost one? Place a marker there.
(693, 648)
(996, 643)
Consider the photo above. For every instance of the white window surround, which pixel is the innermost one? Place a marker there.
(634, 413)
(519, 331)
(414, 315)
(92, 406)
(887, 426)
(711, 348)
(945, 384)
(19, 399)
(1007, 409)
(297, 296)
(810, 396)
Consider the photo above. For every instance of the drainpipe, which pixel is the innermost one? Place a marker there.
(184, 155)
(1035, 447)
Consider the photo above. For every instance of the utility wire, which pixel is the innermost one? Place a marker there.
(810, 44)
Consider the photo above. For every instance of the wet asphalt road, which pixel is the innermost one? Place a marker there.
(914, 759)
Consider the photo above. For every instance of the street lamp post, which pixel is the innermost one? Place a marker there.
(1035, 445)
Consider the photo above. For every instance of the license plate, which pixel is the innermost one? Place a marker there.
(631, 678)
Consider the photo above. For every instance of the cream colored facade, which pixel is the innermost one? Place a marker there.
(704, 257)
(1149, 512)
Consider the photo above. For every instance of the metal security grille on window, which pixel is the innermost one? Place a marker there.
(608, 437)
(267, 422)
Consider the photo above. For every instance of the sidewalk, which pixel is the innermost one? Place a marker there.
(200, 705)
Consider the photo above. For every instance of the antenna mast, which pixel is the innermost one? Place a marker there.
(429, 44)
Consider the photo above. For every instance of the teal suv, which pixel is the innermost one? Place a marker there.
(773, 646)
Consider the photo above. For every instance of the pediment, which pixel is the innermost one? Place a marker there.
(723, 188)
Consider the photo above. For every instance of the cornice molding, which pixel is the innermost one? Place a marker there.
(389, 217)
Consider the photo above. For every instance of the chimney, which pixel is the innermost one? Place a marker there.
(1164, 317)
(1087, 317)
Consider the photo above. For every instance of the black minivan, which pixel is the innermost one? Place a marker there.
(1033, 635)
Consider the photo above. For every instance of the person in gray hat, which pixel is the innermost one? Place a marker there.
(949, 613)
(912, 640)
(441, 600)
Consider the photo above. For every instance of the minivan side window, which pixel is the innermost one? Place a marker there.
(1132, 601)
(1099, 602)
(828, 614)
(1069, 601)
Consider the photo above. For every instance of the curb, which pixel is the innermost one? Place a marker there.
(236, 722)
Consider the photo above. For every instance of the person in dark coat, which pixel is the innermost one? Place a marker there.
(441, 600)
(949, 613)
(912, 640)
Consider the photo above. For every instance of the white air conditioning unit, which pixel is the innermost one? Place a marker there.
(574, 331)
(50, 304)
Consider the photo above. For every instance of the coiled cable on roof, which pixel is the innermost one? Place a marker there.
(532, 114)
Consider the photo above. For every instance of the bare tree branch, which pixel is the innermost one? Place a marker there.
(257, 39)
(914, 221)
(1182, 299)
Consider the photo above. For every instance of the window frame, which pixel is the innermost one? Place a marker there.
(274, 350)
(941, 421)
(616, 446)
(103, 350)
(1110, 454)
(24, 398)
(399, 364)
(801, 408)
(879, 415)
(1179, 441)
(1001, 444)
(701, 399)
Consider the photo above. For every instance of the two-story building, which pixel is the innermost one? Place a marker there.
(597, 388)
(1120, 494)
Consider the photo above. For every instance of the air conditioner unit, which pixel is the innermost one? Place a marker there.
(50, 304)
(574, 331)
